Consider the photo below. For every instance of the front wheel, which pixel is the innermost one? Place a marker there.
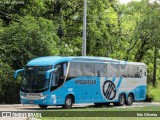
(129, 100)
(68, 102)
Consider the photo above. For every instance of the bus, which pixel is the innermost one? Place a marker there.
(64, 81)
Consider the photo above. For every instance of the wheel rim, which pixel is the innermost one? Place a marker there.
(129, 99)
(68, 102)
(121, 100)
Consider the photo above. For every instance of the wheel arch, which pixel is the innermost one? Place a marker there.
(72, 95)
(131, 93)
(122, 93)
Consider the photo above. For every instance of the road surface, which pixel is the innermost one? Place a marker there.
(13, 108)
(20, 107)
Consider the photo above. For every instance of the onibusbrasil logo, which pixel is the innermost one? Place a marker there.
(109, 90)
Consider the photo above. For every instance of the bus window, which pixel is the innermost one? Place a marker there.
(138, 71)
(112, 70)
(58, 76)
(101, 69)
(58, 73)
(53, 80)
(131, 71)
(144, 72)
(64, 69)
(123, 70)
(87, 69)
(75, 70)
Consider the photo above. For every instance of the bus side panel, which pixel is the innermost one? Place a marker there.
(80, 88)
(101, 89)
(112, 87)
(109, 88)
(96, 92)
(140, 93)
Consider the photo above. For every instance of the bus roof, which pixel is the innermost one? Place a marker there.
(52, 60)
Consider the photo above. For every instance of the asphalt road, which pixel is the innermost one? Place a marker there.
(12, 108)
(20, 107)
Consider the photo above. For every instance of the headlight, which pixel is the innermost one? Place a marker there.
(53, 96)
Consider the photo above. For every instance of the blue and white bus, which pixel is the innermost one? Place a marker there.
(63, 81)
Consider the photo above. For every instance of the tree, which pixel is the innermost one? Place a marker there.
(26, 39)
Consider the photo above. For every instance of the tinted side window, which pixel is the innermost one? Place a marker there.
(59, 75)
(65, 65)
(101, 69)
(137, 71)
(74, 70)
(112, 70)
(78, 69)
(131, 71)
(144, 71)
(123, 70)
(87, 69)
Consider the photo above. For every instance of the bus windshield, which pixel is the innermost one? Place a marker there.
(34, 79)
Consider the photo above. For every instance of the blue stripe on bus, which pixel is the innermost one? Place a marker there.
(106, 78)
(119, 83)
(114, 78)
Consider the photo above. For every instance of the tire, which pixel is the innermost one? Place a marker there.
(68, 102)
(129, 100)
(43, 106)
(121, 100)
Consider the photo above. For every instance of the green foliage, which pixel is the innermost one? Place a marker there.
(21, 41)
(26, 39)
(153, 92)
(9, 92)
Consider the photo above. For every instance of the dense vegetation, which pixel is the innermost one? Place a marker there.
(34, 28)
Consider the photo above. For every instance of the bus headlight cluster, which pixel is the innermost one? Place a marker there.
(53, 96)
(44, 96)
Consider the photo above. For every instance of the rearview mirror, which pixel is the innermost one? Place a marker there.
(16, 73)
(49, 72)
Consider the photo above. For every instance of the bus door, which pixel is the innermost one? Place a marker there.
(57, 81)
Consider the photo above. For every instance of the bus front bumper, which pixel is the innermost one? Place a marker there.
(44, 100)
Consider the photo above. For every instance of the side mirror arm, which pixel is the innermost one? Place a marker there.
(16, 73)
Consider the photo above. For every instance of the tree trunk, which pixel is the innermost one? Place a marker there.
(154, 66)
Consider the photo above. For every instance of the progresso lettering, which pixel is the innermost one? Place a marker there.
(85, 82)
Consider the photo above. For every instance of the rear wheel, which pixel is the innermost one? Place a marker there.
(68, 102)
(121, 100)
(129, 100)
(43, 106)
